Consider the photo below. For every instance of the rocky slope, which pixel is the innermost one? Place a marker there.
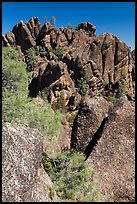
(78, 72)
(105, 59)
(107, 136)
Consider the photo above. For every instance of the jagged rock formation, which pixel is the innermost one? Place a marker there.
(106, 136)
(23, 34)
(104, 59)
(133, 54)
(114, 154)
(23, 176)
(133, 66)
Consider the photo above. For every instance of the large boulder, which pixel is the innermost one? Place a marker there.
(23, 176)
(90, 116)
(114, 155)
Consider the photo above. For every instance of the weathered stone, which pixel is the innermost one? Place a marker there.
(23, 176)
(5, 41)
(89, 118)
(133, 54)
(133, 65)
(105, 57)
(10, 37)
(23, 36)
(114, 155)
(89, 27)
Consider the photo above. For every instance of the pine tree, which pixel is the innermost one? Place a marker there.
(70, 26)
(45, 19)
(53, 21)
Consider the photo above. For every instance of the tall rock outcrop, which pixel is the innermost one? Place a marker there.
(23, 34)
(106, 59)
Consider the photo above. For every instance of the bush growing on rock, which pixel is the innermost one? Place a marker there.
(33, 55)
(122, 88)
(83, 85)
(73, 180)
(17, 106)
(58, 52)
(32, 58)
(112, 99)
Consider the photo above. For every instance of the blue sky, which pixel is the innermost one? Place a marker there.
(111, 17)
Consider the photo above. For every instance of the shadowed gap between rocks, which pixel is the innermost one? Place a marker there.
(95, 139)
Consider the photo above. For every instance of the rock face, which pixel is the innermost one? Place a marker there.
(88, 120)
(133, 54)
(105, 59)
(23, 176)
(133, 66)
(76, 70)
(24, 34)
(114, 155)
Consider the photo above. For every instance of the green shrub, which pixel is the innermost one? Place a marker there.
(11, 53)
(17, 107)
(105, 82)
(48, 164)
(33, 56)
(70, 175)
(14, 75)
(58, 52)
(70, 119)
(70, 26)
(122, 88)
(53, 21)
(83, 85)
(40, 51)
(112, 99)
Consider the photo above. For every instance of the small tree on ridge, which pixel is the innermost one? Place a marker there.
(53, 21)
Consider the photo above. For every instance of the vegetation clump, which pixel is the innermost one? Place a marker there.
(73, 180)
(83, 85)
(70, 26)
(58, 52)
(17, 106)
(122, 88)
(112, 99)
(32, 58)
(33, 55)
(53, 21)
